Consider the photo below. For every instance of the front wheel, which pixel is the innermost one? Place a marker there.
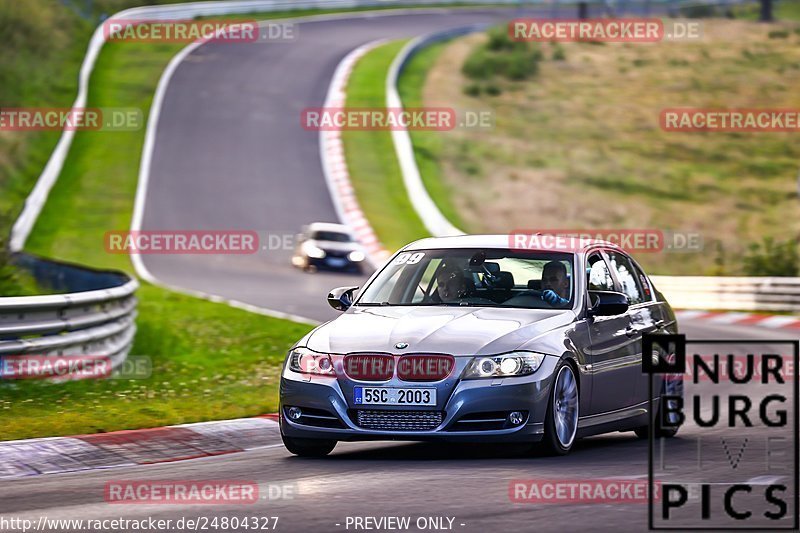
(561, 420)
(308, 447)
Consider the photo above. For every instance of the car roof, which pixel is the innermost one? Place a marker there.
(503, 241)
(330, 226)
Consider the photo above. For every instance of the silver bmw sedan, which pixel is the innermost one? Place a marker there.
(481, 338)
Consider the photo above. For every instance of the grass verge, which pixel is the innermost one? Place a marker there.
(579, 146)
(371, 160)
(428, 144)
(209, 361)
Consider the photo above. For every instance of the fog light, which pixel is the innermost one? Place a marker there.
(294, 413)
(516, 418)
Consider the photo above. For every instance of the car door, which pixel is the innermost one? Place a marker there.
(611, 350)
(642, 317)
(649, 315)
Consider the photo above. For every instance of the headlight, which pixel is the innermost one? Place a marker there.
(305, 361)
(506, 365)
(356, 256)
(313, 251)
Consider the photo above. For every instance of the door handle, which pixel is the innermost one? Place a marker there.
(630, 331)
(659, 324)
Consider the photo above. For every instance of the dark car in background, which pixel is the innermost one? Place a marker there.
(469, 339)
(328, 246)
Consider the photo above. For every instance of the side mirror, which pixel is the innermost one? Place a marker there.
(341, 298)
(607, 303)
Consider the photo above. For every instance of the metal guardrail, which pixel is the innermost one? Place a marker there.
(95, 315)
(731, 293)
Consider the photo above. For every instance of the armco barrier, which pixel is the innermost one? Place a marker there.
(731, 293)
(94, 314)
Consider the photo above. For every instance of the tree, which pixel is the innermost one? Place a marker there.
(766, 11)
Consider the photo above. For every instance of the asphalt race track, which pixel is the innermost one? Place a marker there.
(230, 153)
(399, 479)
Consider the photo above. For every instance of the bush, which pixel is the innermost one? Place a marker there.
(558, 52)
(521, 64)
(698, 12)
(772, 258)
(493, 90)
(479, 65)
(501, 56)
(473, 89)
(499, 39)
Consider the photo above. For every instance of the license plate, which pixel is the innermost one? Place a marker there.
(394, 396)
(337, 261)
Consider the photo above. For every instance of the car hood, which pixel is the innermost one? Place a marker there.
(450, 330)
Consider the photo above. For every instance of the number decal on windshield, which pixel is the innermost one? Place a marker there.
(409, 259)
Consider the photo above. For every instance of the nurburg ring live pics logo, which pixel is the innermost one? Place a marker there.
(734, 463)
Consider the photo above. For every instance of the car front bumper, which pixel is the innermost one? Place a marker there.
(469, 399)
(334, 263)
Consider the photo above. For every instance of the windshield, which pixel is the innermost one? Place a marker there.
(330, 236)
(473, 277)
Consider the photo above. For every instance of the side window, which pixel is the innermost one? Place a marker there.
(628, 277)
(644, 283)
(599, 278)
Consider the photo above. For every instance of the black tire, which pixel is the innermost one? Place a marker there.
(308, 447)
(551, 444)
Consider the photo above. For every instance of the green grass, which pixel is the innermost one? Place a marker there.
(45, 47)
(371, 160)
(781, 10)
(580, 146)
(210, 361)
(428, 144)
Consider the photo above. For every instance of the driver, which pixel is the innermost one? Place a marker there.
(450, 284)
(555, 284)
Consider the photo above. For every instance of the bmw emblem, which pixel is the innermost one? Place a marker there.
(401, 345)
